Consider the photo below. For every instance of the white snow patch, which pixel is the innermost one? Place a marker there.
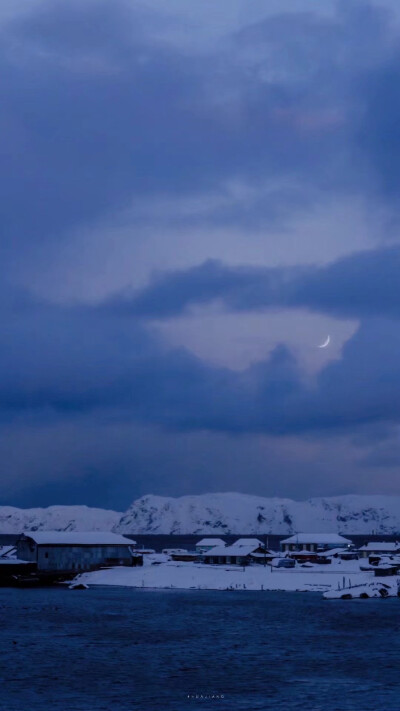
(186, 576)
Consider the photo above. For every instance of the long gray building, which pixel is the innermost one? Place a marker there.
(72, 552)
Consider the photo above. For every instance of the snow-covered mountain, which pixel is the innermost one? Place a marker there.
(57, 518)
(240, 513)
(217, 513)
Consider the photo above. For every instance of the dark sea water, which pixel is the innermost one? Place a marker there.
(121, 649)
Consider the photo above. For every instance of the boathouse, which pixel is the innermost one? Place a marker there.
(56, 552)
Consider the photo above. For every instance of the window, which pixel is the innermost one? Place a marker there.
(46, 555)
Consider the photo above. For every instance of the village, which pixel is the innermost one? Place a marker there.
(327, 563)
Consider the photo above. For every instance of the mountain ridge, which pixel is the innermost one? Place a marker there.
(219, 513)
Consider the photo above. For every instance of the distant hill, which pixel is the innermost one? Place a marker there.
(57, 518)
(241, 513)
(217, 514)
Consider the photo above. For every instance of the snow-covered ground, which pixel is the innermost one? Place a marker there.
(379, 587)
(187, 576)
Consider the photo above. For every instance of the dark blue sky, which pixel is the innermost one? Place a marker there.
(193, 196)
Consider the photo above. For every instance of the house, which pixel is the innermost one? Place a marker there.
(229, 555)
(386, 569)
(61, 552)
(304, 556)
(379, 548)
(339, 554)
(185, 556)
(262, 555)
(237, 554)
(206, 543)
(181, 554)
(314, 542)
(248, 542)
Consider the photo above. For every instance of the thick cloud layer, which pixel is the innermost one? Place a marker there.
(65, 360)
(252, 127)
(358, 286)
(97, 113)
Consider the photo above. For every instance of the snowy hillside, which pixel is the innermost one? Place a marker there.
(57, 518)
(216, 513)
(240, 513)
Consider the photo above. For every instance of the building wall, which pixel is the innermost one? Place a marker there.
(26, 550)
(308, 546)
(71, 558)
(226, 560)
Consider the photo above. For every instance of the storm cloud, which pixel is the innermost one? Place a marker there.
(359, 285)
(156, 164)
(65, 361)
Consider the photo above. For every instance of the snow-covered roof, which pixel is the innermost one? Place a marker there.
(389, 559)
(14, 561)
(319, 538)
(86, 538)
(333, 551)
(247, 542)
(386, 566)
(5, 551)
(380, 546)
(211, 542)
(231, 550)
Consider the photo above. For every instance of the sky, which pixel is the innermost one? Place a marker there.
(193, 196)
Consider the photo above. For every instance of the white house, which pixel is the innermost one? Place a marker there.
(379, 548)
(238, 554)
(206, 543)
(248, 542)
(314, 542)
(229, 555)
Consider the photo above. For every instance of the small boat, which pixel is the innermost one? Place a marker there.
(78, 586)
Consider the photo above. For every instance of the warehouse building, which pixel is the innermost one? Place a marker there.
(61, 552)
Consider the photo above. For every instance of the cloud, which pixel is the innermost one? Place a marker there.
(66, 361)
(378, 134)
(99, 113)
(107, 111)
(356, 286)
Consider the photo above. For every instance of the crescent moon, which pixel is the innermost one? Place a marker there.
(325, 343)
